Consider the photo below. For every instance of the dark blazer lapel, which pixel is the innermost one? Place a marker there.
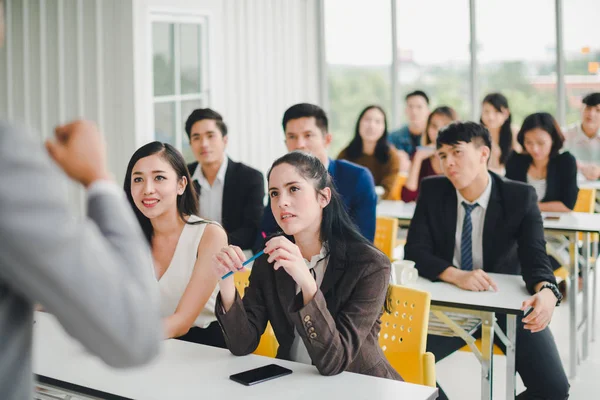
(286, 290)
(229, 195)
(449, 204)
(493, 215)
(333, 273)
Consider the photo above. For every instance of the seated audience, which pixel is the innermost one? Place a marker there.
(496, 117)
(553, 175)
(425, 162)
(166, 206)
(323, 292)
(371, 149)
(583, 138)
(305, 127)
(231, 193)
(408, 137)
(471, 222)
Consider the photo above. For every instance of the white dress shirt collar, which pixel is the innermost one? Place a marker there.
(483, 200)
(199, 176)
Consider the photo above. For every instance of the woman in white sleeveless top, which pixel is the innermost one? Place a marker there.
(157, 186)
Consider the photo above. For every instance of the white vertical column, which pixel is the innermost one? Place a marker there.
(61, 61)
(43, 60)
(80, 58)
(99, 65)
(561, 95)
(26, 50)
(395, 120)
(9, 62)
(473, 77)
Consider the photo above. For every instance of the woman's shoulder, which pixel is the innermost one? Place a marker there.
(566, 156)
(365, 255)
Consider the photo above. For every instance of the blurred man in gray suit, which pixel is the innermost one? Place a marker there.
(95, 275)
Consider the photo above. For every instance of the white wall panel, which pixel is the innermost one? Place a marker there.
(51, 71)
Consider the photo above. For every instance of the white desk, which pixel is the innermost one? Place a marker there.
(507, 300)
(186, 370)
(570, 225)
(397, 209)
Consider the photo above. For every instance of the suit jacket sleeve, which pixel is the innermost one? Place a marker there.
(253, 208)
(420, 246)
(535, 264)
(339, 340)
(247, 319)
(364, 205)
(568, 180)
(94, 274)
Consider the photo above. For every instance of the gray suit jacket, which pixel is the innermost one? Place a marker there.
(95, 275)
(339, 326)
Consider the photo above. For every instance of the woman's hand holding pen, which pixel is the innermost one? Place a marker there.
(285, 254)
(229, 259)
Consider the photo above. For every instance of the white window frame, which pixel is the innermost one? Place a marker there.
(204, 96)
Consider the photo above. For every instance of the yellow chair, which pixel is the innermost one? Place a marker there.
(403, 335)
(396, 192)
(268, 342)
(586, 201)
(386, 230)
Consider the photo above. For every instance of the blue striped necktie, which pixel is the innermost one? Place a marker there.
(466, 242)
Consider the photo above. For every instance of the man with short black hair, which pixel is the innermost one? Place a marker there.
(471, 222)
(408, 137)
(231, 193)
(306, 128)
(583, 138)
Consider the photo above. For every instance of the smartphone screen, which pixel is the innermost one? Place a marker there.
(261, 374)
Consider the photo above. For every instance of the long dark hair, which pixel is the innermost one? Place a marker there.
(382, 148)
(337, 229)
(545, 122)
(498, 101)
(444, 111)
(187, 203)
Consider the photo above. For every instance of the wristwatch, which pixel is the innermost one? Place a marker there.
(554, 289)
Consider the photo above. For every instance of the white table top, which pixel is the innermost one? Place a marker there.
(186, 370)
(396, 209)
(508, 299)
(585, 184)
(572, 221)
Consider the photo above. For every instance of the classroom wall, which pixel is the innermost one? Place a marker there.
(63, 59)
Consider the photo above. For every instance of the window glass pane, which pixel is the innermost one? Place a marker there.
(517, 54)
(164, 122)
(163, 59)
(582, 53)
(190, 51)
(434, 53)
(186, 109)
(358, 52)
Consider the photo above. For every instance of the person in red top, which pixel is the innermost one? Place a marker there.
(424, 161)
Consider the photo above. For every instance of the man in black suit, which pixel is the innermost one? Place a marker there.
(230, 193)
(471, 222)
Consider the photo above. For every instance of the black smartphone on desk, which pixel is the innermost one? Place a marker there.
(261, 374)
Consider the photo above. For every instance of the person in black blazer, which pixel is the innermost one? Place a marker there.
(237, 188)
(553, 174)
(471, 222)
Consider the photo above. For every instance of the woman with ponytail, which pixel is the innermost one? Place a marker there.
(322, 285)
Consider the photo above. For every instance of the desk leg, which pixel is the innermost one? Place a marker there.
(572, 294)
(595, 289)
(511, 347)
(487, 343)
(585, 273)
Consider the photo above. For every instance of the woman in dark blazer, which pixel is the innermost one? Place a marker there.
(552, 174)
(325, 311)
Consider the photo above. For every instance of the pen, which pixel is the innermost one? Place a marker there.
(248, 261)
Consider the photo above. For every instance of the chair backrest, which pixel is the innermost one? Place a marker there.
(241, 280)
(386, 230)
(586, 200)
(403, 335)
(396, 192)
